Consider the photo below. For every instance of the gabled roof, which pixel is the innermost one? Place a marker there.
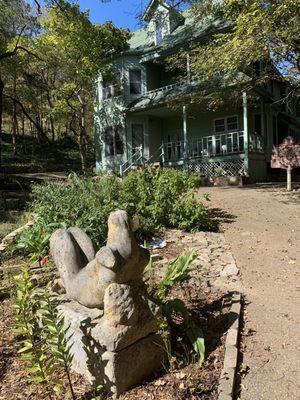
(152, 6)
(191, 28)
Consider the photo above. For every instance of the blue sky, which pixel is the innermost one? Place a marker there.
(121, 12)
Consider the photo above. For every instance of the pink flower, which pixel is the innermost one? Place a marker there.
(43, 260)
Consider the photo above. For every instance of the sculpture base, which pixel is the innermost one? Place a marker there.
(117, 370)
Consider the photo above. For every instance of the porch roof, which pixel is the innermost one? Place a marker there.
(158, 97)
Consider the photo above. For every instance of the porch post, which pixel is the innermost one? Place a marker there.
(246, 135)
(263, 125)
(185, 144)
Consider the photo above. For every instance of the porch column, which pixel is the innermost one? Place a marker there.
(263, 125)
(246, 135)
(185, 144)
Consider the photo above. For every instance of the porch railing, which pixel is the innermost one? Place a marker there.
(136, 158)
(200, 148)
(206, 146)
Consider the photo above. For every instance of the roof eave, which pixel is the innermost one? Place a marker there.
(147, 14)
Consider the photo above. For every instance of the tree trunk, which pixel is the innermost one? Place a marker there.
(52, 129)
(82, 134)
(14, 118)
(23, 125)
(1, 114)
(289, 179)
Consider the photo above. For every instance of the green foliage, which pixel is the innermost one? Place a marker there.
(35, 240)
(159, 199)
(41, 333)
(252, 31)
(82, 202)
(177, 272)
(163, 198)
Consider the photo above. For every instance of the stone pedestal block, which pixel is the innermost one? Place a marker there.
(120, 368)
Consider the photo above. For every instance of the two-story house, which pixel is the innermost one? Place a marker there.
(134, 123)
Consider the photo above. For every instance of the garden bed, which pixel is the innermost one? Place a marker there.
(207, 296)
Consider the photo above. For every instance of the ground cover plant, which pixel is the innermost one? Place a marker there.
(159, 198)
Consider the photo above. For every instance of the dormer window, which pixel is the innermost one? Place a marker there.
(158, 32)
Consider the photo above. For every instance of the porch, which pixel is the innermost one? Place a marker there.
(222, 154)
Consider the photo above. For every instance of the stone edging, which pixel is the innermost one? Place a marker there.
(13, 234)
(228, 374)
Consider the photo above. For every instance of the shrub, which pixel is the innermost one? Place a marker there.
(81, 202)
(163, 198)
(159, 198)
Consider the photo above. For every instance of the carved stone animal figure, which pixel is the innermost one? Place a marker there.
(86, 275)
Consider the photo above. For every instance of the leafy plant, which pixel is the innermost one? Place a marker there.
(35, 240)
(159, 198)
(177, 271)
(42, 334)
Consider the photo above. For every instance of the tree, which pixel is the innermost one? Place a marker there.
(16, 23)
(48, 76)
(253, 30)
(74, 51)
(286, 156)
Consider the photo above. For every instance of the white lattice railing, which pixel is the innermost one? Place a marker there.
(206, 146)
(218, 168)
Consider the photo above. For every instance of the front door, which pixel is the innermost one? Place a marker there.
(137, 138)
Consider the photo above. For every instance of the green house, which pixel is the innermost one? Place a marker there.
(136, 124)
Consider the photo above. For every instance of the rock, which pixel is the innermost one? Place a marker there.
(229, 270)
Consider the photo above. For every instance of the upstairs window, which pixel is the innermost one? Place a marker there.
(226, 124)
(135, 81)
(112, 87)
(113, 141)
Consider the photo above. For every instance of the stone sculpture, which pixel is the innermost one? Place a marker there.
(112, 322)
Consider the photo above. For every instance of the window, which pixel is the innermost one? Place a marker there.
(135, 81)
(226, 124)
(113, 141)
(111, 87)
(257, 124)
(158, 32)
(220, 125)
(232, 124)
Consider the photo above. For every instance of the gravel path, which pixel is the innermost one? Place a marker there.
(262, 225)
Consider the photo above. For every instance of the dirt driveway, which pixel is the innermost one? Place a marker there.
(262, 224)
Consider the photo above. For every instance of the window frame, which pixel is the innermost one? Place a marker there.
(225, 118)
(116, 130)
(135, 82)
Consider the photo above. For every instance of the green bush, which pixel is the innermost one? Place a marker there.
(164, 198)
(159, 198)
